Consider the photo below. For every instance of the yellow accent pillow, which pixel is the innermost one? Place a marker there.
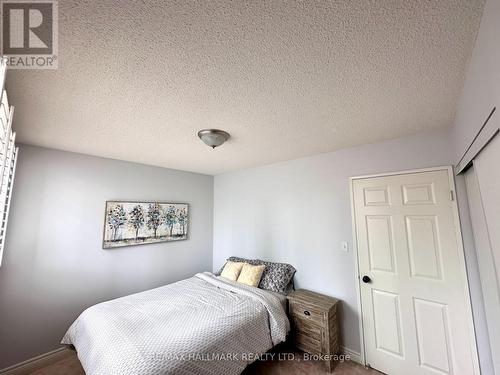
(232, 270)
(250, 275)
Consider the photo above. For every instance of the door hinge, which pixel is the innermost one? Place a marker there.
(452, 194)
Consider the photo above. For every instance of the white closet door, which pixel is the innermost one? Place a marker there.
(487, 165)
(483, 190)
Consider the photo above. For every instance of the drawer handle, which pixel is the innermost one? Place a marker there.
(307, 313)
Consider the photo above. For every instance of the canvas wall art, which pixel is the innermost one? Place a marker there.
(138, 223)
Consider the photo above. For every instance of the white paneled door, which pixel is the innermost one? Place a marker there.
(414, 295)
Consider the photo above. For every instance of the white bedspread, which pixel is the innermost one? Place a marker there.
(201, 325)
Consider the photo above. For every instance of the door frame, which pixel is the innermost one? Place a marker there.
(461, 256)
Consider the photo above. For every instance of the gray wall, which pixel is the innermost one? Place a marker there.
(299, 212)
(54, 266)
(482, 85)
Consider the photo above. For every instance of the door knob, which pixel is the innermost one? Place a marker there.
(366, 279)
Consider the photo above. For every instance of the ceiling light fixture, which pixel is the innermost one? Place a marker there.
(213, 137)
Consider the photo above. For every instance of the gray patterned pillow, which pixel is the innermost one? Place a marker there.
(276, 277)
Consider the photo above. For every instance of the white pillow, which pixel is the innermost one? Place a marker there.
(250, 275)
(232, 270)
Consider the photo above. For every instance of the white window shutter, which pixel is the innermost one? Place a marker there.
(3, 70)
(8, 156)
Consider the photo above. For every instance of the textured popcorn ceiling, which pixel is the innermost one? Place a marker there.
(138, 79)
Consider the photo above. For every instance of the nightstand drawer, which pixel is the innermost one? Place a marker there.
(306, 312)
(307, 344)
(307, 328)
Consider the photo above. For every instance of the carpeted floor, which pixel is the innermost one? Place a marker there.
(297, 366)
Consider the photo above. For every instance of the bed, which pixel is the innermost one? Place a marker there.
(202, 325)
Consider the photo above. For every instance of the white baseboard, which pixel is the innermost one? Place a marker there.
(355, 356)
(36, 363)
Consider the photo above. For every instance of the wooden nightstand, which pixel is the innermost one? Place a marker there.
(313, 317)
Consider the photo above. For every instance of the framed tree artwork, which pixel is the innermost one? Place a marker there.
(139, 223)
